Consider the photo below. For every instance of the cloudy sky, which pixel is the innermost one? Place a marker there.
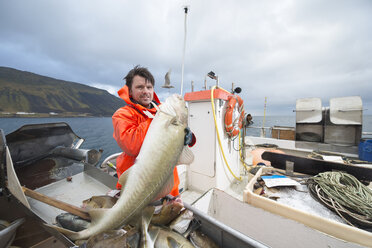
(282, 50)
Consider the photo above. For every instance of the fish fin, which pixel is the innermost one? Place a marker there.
(136, 221)
(71, 234)
(186, 157)
(97, 214)
(153, 233)
(124, 177)
(172, 242)
(147, 214)
(168, 186)
(148, 239)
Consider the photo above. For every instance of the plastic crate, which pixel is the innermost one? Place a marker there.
(365, 150)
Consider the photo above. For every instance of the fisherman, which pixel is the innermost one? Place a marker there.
(248, 120)
(132, 121)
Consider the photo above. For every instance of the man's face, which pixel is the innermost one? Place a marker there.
(142, 91)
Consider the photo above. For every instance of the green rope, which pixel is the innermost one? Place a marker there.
(345, 194)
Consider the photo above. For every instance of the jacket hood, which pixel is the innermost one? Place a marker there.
(124, 94)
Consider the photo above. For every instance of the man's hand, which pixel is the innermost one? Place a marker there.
(190, 138)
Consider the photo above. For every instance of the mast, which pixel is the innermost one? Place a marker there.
(184, 48)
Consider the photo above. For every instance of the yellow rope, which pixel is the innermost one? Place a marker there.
(218, 135)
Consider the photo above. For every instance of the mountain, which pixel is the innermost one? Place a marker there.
(22, 91)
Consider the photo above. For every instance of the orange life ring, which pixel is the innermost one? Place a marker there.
(231, 126)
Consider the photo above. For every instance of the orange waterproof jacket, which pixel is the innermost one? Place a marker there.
(130, 128)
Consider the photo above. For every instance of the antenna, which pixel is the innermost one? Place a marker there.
(263, 122)
(186, 9)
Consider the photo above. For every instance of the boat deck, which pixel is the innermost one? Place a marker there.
(81, 186)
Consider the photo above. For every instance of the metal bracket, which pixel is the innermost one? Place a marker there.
(289, 165)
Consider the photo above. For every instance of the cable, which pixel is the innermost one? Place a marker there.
(240, 155)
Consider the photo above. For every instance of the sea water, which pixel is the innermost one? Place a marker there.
(97, 131)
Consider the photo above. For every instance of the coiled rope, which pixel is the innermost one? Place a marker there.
(344, 194)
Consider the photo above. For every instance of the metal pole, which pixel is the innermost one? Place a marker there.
(263, 122)
(184, 49)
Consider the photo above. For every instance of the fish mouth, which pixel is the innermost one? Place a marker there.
(175, 201)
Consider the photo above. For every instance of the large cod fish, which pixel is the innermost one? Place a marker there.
(151, 177)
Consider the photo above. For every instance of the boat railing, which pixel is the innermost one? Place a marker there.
(267, 131)
(263, 130)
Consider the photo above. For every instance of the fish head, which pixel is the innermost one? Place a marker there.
(174, 105)
(90, 203)
(172, 206)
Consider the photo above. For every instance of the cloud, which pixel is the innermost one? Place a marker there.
(280, 50)
(110, 88)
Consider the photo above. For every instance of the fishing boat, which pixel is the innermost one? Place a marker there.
(218, 186)
(220, 182)
(46, 174)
